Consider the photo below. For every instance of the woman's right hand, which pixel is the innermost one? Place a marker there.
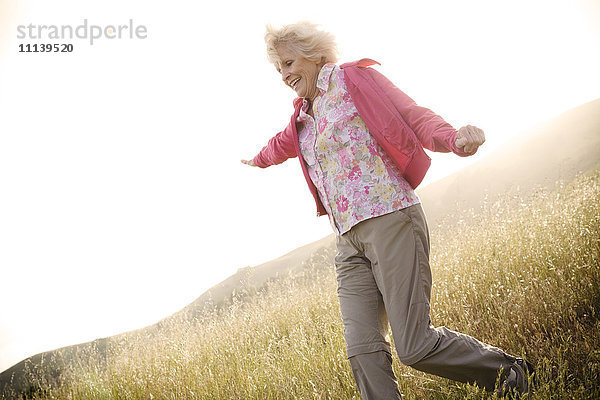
(249, 162)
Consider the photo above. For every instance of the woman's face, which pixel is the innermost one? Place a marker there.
(298, 73)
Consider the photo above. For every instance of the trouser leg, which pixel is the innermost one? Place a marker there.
(374, 375)
(465, 359)
(365, 324)
(397, 247)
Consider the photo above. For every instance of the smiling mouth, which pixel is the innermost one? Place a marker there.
(294, 83)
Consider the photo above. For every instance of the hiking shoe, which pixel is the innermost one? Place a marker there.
(520, 375)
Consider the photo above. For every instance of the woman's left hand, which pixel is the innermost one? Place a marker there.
(469, 138)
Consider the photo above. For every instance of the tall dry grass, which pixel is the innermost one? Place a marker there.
(522, 274)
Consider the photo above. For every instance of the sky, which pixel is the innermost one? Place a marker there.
(122, 195)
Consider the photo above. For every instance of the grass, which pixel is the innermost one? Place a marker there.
(521, 274)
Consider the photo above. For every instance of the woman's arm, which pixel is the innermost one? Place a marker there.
(433, 131)
(279, 148)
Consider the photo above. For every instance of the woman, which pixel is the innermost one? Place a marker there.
(360, 140)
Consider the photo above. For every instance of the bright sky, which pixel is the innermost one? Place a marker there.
(122, 198)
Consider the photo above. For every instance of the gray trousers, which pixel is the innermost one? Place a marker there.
(383, 274)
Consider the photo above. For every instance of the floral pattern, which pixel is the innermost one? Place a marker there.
(355, 179)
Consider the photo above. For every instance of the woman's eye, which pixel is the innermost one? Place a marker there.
(288, 63)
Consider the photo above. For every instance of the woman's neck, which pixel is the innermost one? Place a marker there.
(309, 110)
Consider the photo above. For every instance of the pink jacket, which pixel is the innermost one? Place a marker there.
(398, 124)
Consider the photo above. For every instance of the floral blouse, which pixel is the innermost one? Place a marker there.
(355, 179)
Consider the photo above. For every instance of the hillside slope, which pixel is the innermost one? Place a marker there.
(548, 153)
(557, 149)
(523, 276)
(249, 279)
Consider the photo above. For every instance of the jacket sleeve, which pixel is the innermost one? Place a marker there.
(279, 148)
(433, 132)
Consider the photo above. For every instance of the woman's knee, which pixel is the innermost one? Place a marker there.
(414, 349)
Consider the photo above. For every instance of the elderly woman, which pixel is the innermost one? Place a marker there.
(360, 140)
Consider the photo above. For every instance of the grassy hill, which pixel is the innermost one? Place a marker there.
(524, 276)
(522, 273)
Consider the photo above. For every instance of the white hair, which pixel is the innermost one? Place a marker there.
(304, 39)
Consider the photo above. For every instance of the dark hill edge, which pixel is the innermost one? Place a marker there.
(248, 279)
(556, 150)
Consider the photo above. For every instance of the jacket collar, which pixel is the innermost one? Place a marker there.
(364, 62)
